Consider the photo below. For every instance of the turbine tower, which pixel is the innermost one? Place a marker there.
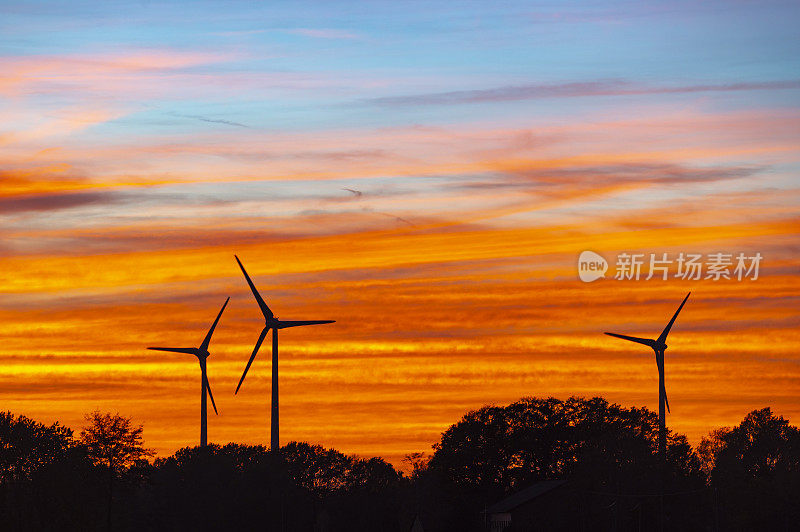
(271, 322)
(202, 354)
(659, 346)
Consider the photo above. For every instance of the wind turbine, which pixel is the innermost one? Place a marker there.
(271, 322)
(202, 354)
(659, 346)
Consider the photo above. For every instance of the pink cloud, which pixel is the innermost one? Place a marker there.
(55, 71)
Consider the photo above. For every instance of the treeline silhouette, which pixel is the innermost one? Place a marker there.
(741, 478)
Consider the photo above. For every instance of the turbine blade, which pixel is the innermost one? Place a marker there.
(660, 366)
(211, 395)
(255, 350)
(664, 334)
(643, 341)
(187, 350)
(207, 339)
(296, 323)
(264, 308)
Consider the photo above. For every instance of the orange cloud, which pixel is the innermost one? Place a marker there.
(451, 273)
(94, 71)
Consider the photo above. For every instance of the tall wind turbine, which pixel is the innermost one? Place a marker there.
(202, 354)
(659, 346)
(271, 322)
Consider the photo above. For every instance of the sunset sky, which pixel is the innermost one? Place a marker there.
(425, 174)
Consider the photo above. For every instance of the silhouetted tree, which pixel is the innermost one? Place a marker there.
(417, 462)
(246, 487)
(708, 448)
(600, 447)
(763, 445)
(224, 487)
(46, 480)
(607, 453)
(354, 493)
(111, 441)
(26, 446)
(755, 468)
(501, 449)
(321, 471)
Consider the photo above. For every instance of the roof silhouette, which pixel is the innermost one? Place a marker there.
(526, 495)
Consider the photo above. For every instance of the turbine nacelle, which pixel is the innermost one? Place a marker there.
(658, 347)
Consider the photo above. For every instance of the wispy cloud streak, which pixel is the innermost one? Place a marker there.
(573, 90)
(211, 120)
